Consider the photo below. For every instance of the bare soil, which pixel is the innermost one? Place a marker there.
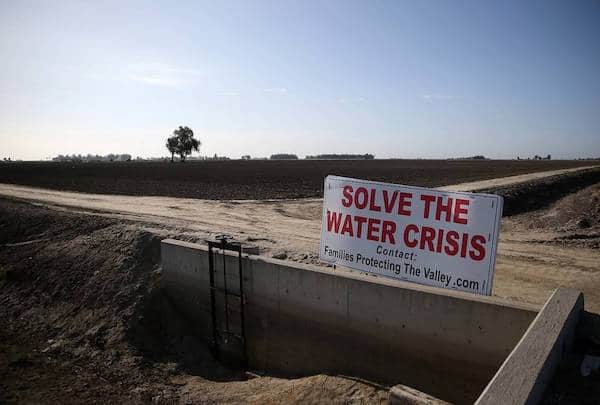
(82, 321)
(82, 318)
(529, 265)
(572, 221)
(258, 180)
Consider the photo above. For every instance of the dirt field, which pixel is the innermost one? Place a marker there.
(530, 264)
(258, 180)
(82, 319)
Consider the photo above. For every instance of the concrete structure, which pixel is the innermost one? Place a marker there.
(303, 320)
(526, 373)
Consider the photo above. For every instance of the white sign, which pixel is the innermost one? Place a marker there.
(427, 236)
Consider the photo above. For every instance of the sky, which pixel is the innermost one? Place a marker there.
(398, 79)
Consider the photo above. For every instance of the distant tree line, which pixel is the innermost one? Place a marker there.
(476, 157)
(283, 156)
(215, 157)
(537, 157)
(343, 156)
(111, 157)
(326, 156)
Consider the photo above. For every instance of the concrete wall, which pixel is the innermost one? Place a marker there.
(304, 319)
(527, 371)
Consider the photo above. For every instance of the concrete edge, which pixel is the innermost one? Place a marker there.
(404, 395)
(530, 367)
(353, 274)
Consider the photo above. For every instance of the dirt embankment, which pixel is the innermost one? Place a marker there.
(258, 180)
(82, 320)
(540, 193)
(71, 286)
(573, 220)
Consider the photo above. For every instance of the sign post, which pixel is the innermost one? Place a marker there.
(427, 236)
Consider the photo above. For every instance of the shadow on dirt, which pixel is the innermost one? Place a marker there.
(569, 386)
(163, 334)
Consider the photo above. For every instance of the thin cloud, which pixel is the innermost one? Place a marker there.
(436, 96)
(153, 74)
(228, 94)
(94, 76)
(275, 90)
(156, 74)
(346, 100)
(157, 81)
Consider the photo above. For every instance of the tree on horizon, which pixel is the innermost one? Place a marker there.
(182, 143)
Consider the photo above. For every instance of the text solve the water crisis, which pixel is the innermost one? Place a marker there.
(427, 236)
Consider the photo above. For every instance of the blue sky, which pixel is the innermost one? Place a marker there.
(408, 79)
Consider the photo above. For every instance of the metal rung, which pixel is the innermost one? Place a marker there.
(232, 334)
(223, 291)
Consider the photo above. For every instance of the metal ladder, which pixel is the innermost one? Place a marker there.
(223, 336)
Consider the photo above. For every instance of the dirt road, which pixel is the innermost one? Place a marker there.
(530, 265)
(510, 180)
